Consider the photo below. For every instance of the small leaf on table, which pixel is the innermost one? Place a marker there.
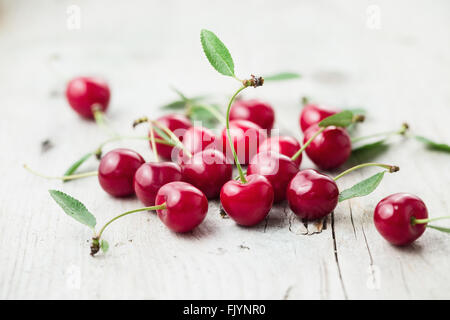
(369, 151)
(282, 76)
(362, 188)
(217, 53)
(341, 119)
(74, 208)
(433, 145)
(104, 245)
(77, 164)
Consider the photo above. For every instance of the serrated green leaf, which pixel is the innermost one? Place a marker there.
(217, 53)
(73, 208)
(104, 245)
(175, 105)
(433, 145)
(341, 119)
(77, 164)
(362, 188)
(282, 76)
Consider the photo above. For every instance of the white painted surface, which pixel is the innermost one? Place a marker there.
(399, 70)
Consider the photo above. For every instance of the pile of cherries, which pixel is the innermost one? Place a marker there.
(192, 164)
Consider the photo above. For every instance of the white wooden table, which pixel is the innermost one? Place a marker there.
(395, 63)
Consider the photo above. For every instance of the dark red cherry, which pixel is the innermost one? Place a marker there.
(277, 168)
(255, 111)
(116, 171)
(197, 139)
(246, 137)
(393, 218)
(247, 203)
(186, 206)
(84, 93)
(312, 195)
(330, 149)
(282, 144)
(178, 124)
(152, 176)
(313, 114)
(207, 170)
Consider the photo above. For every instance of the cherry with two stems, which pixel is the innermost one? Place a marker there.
(401, 218)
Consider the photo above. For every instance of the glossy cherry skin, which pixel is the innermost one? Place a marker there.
(330, 149)
(255, 111)
(197, 139)
(186, 206)
(207, 170)
(116, 171)
(246, 137)
(153, 175)
(84, 93)
(312, 195)
(178, 124)
(393, 216)
(277, 168)
(313, 114)
(282, 144)
(247, 203)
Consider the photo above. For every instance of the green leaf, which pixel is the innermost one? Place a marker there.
(433, 145)
(217, 54)
(357, 110)
(370, 151)
(175, 105)
(104, 245)
(341, 119)
(439, 228)
(362, 188)
(77, 164)
(73, 208)
(369, 146)
(198, 113)
(282, 76)
(163, 135)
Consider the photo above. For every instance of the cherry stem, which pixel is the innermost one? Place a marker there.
(63, 178)
(158, 207)
(208, 108)
(99, 117)
(423, 221)
(389, 167)
(402, 132)
(173, 137)
(299, 152)
(152, 141)
(236, 160)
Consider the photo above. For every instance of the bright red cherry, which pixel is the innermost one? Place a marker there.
(393, 218)
(178, 124)
(282, 144)
(152, 176)
(186, 206)
(312, 195)
(255, 111)
(85, 93)
(312, 114)
(247, 203)
(330, 149)
(277, 168)
(207, 170)
(246, 137)
(197, 139)
(116, 171)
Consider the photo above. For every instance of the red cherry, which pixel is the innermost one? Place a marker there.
(246, 137)
(255, 111)
(116, 171)
(277, 168)
(178, 124)
(197, 139)
(152, 176)
(84, 93)
(282, 144)
(312, 114)
(393, 218)
(312, 195)
(186, 206)
(247, 203)
(330, 149)
(207, 170)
